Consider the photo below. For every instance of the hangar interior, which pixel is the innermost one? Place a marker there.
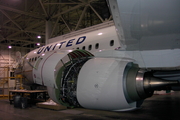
(28, 24)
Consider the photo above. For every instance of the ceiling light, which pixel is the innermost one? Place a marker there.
(38, 36)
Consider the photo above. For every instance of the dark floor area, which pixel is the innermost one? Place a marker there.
(158, 107)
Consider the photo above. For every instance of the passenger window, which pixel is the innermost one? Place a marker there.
(112, 43)
(97, 45)
(32, 59)
(35, 58)
(84, 47)
(90, 47)
(77, 48)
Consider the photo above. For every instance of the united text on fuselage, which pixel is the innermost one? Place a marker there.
(67, 43)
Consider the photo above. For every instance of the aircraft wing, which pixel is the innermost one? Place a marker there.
(149, 31)
(147, 24)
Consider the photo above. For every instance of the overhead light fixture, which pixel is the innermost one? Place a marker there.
(38, 44)
(39, 37)
(9, 46)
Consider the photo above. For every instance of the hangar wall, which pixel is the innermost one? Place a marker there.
(7, 63)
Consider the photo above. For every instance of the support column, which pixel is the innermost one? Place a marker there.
(48, 31)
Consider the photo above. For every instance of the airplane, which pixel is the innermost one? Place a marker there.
(113, 68)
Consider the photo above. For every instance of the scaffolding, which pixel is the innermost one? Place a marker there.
(4, 82)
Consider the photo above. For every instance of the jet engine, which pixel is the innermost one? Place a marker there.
(79, 79)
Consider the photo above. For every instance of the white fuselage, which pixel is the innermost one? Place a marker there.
(93, 42)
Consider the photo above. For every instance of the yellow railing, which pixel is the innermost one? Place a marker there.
(4, 81)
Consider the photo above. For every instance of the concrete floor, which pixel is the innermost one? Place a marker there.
(158, 107)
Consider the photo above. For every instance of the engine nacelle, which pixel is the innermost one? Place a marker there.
(78, 78)
(102, 84)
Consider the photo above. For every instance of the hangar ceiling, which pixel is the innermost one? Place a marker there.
(21, 21)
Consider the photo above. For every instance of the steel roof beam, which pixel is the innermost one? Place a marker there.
(96, 13)
(43, 8)
(81, 17)
(2, 11)
(21, 12)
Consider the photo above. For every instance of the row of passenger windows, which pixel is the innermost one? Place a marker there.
(33, 59)
(96, 46)
(90, 47)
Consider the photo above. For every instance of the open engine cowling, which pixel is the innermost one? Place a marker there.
(59, 72)
(77, 78)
